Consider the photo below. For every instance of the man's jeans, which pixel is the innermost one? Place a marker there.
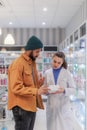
(24, 120)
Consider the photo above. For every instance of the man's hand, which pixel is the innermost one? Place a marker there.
(43, 90)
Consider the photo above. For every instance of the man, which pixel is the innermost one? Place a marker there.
(24, 90)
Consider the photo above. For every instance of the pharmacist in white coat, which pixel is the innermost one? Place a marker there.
(59, 111)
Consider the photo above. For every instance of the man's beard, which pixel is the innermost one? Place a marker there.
(32, 57)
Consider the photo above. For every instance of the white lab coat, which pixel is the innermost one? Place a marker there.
(58, 109)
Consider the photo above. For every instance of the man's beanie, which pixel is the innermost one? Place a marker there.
(33, 43)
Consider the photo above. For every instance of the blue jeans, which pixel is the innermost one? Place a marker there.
(24, 120)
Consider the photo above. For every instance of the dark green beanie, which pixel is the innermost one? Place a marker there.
(33, 43)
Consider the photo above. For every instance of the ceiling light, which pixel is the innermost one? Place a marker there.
(9, 40)
(43, 23)
(44, 9)
(10, 23)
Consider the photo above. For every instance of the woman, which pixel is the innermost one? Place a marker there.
(60, 115)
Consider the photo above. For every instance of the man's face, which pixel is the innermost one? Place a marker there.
(34, 54)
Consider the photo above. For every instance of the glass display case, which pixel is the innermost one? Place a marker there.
(79, 73)
(76, 57)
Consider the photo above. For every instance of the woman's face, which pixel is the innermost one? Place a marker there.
(57, 62)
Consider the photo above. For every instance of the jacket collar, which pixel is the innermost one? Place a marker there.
(27, 58)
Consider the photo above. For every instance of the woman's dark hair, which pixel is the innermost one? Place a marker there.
(61, 55)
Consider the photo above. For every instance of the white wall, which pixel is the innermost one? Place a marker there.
(77, 19)
(62, 34)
